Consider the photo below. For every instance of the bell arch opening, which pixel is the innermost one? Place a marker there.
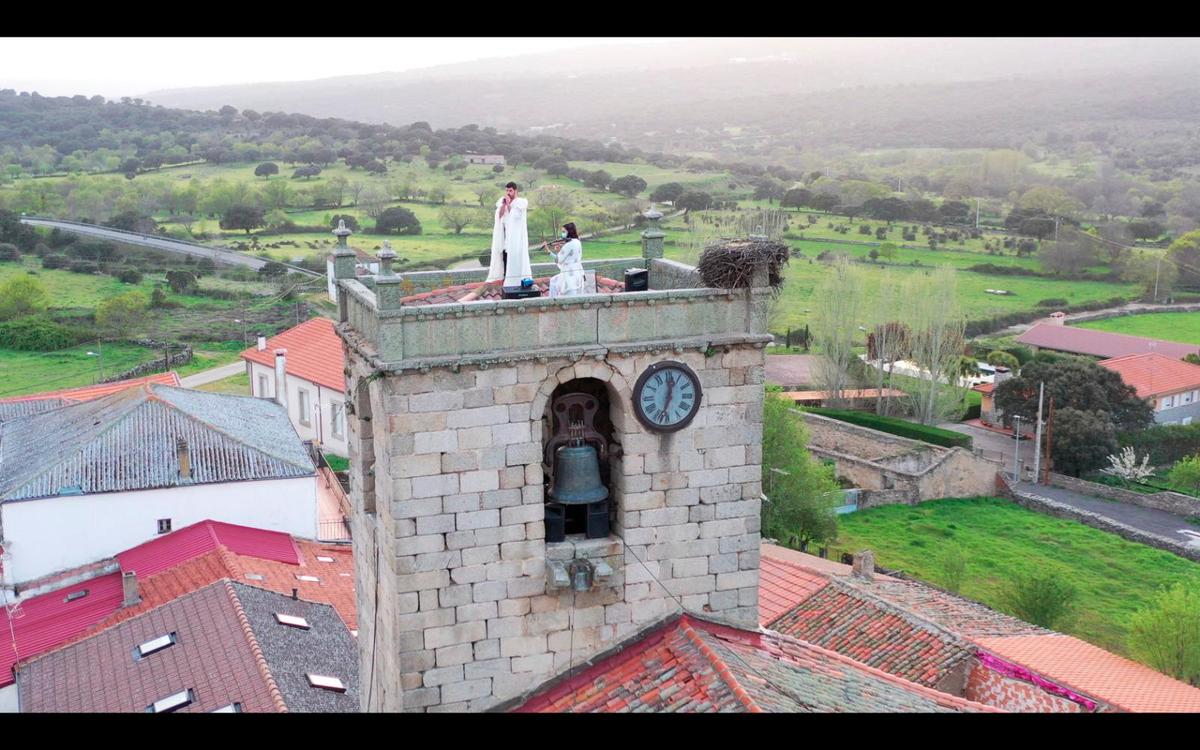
(578, 446)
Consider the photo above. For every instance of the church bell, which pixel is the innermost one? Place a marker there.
(577, 476)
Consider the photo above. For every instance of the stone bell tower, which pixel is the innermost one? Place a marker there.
(463, 601)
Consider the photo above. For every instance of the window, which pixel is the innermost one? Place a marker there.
(1185, 398)
(262, 387)
(313, 579)
(305, 408)
(322, 558)
(291, 621)
(1166, 403)
(232, 708)
(76, 595)
(326, 683)
(254, 576)
(164, 525)
(154, 646)
(337, 419)
(172, 702)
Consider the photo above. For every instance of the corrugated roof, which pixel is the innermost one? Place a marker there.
(128, 441)
(694, 666)
(314, 353)
(1154, 374)
(171, 549)
(36, 403)
(1100, 343)
(1096, 672)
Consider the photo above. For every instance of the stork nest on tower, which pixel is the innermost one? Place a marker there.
(730, 264)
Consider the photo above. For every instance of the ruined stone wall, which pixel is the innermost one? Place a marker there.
(455, 609)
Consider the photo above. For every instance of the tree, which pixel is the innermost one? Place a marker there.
(132, 221)
(824, 202)
(1049, 200)
(456, 217)
(436, 194)
(1082, 440)
(888, 250)
(118, 315)
(307, 172)
(1185, 474)
(552, 205)
(397, 220)
(1146, 229)
(801, 492)
(243, 217)
(266, 169)
(276, 194)
(1003, 359)
(668, 192)
(182, 282)
(22, 295)
(374, 200)
(628, 186)
(272, 270)
(486, 194)
(1125, 466)
(599, 179)
(1165, 634)
(1069, 255)
(796, 198)
(9, 253)
(350, 219)
(1043, 599)
(936, 343)
(694, 200)
(838, 310)
(1184, 254)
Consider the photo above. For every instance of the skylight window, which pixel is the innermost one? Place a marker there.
(158, 644)
(232, 708)
(172, 702)
(76, 595)
(314, 579)
(325, 682)
(254, 576)
(291, 621)
(324, 559)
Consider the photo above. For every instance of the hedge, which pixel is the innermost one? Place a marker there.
(893, 426)
(1165, 443)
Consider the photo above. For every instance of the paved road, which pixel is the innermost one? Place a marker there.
(790, 370)
(217, 254)
(1146, 519)
(213, 375)
(995, 446)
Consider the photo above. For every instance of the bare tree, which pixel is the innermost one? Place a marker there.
(888, 339)
(763, 221)
(456, 218)
(838, 310)
(374, 200)
(553, 204)
(356, 187)
(936, 343)
(486, 194)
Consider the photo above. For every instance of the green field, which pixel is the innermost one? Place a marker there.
(1183, 327)
(237, 384)
(34, 372)
(1005, 542)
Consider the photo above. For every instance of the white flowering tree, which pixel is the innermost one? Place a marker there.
(1125, 465)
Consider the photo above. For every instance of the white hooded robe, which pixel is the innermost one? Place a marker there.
(510, 235)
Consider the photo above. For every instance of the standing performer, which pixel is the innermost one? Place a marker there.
(570, 280)
(510, 239)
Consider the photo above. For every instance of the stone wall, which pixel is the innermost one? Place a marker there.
(455, 609)
(427, 281)
(667, 274)
(989, 687)
(1171, 502)
(1028, 498)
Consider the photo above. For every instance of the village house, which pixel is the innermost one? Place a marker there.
(81, 482)
(1073, 340)
(1171, 386)
(491, 159)
(80, 606)
(302, 369)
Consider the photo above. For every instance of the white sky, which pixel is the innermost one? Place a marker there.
(114, 67)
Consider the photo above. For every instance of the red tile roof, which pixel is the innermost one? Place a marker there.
(451, 295)
(984, 387)
(314, 353)
(1100, 343)
(1154, 374)
(90, 392)
(781, 586)
(172, 566)
(1096, 672)
(690, 665)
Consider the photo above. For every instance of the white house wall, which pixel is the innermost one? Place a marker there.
(8, 699)
(328, 397)
(57, 533)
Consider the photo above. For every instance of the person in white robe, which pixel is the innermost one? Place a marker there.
(570, 280)
(510, 235)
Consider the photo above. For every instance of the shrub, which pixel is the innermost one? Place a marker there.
(23, 294)
(55, 261)
(35, 333)
(1166, 633)
(397, 220)
(953, 565)
(1043, 599)
(1053, 302)
(129, 276)
(9, 252)
(1165, 443)
(925, 433)
(802, 491)
(84, 266)
(119, 314)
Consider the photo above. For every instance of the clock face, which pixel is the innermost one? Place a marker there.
(667, 396)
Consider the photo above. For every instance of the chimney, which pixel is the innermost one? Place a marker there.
(281, 377)
(262, 343)
(1002, 374)
(185, 458)
(295, 594)
(129, 587)
(864, 565)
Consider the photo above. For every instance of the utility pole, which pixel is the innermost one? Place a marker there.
(1049, 435)
(1157, 269)
(1056, 229)
(1017, 450)
(1037, 454)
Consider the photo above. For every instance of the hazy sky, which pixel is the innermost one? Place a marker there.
(116, 67)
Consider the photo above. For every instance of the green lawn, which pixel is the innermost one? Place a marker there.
(1005, 542)
(35, 372)
(1172, 326)
(237, 384)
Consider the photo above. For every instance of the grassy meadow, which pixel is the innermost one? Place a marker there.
(1183, 327)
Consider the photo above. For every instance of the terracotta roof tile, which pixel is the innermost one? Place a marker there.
(314, 353)
(1100, 343)
(781, 586)
(1154, 374)
(1096, 672)
(690, 665)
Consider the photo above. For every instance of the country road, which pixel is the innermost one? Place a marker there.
(210, 376)
(218, 255)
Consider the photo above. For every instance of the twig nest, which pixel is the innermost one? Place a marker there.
(731, 264)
